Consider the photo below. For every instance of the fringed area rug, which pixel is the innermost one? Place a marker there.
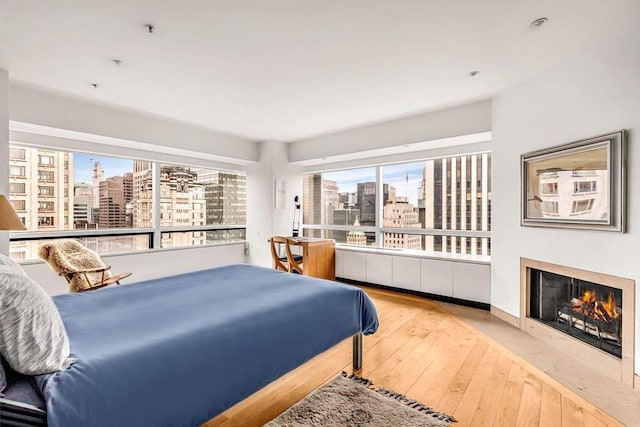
(352, 401)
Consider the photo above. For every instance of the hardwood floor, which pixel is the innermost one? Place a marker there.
(431, 355)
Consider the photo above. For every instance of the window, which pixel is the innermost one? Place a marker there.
(46, 190)
(17, 171)
(549, 188)
(18, 205)
(46, 206)
(44, 160)
(46, 175)
(345, 198)
(16, 153)
(17, 187)
(441, 205)
(581, 206)
(45, 221)
(550, 207)
(196, 238)
(198, 197)
(108, 203)
(584, 186)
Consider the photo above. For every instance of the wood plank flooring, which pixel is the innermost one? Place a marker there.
(431, 355)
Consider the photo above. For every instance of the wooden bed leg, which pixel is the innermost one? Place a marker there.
(357, 351)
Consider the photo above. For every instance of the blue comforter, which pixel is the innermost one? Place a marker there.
(179, 350)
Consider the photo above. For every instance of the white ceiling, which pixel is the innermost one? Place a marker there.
(291, 69)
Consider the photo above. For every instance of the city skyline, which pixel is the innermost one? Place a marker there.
(56, 191)
(451, 193)
(394, 175)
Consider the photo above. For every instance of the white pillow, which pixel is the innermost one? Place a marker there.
(33, 339)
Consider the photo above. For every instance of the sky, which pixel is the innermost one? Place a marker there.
(395, 175)
(112, 166)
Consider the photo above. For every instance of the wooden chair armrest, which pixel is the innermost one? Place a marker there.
(87, 270)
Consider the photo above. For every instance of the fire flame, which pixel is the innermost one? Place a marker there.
(590, 306)
(611, 306)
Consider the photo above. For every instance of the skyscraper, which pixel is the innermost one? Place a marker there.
(456, 196)
(312, 199)
(142, 202)
(116, 194)
(366, 200)
(83, 207)
(41, 192)
(401, 214)
(97, 176)
(225, 194)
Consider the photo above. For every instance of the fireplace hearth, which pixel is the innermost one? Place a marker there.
(588, 311)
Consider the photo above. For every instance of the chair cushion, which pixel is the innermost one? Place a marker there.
(33, 339)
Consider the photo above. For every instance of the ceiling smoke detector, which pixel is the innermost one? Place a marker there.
(539, 23)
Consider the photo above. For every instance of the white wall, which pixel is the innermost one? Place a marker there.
(595, 92)
(263, 220)
(462, 120)
(4, 149)
(29, 105)
(127, 149)
(147, 265)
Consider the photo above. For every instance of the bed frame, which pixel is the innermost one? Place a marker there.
(13, 413)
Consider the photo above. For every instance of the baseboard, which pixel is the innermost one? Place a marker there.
(505, 317)
(451, 300)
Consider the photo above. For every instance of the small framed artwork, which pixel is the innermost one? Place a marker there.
(577, 185)
(280, 194)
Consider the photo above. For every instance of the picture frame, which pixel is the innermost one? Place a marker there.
(580, 185)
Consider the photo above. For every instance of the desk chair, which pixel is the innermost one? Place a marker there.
(295, 262)
(283, 263)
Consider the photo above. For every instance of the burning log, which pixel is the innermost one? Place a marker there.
(588, 327)
(602, 311)
(590, 306)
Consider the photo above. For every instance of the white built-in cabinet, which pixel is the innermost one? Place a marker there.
(463, 279)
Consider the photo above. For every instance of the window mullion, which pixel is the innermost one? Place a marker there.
(157, 192)
(379, 207)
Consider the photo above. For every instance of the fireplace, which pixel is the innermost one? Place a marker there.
(587, 314)
(588, 311)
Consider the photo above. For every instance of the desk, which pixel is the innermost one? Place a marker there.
(318, 257)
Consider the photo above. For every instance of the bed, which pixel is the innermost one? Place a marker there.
(180, 350)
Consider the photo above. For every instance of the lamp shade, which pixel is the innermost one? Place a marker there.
(9, 220)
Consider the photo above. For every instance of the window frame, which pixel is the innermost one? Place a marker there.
(380, 230)
(154, 232)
